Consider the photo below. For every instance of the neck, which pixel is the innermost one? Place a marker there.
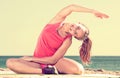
(62, 32)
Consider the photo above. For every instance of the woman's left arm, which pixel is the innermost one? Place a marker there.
(52, 59)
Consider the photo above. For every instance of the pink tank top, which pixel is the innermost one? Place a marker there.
(49, 41)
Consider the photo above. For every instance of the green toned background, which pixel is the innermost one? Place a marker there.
(21, 22)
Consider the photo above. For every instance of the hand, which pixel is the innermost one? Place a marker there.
(100, 15)
(27, 58)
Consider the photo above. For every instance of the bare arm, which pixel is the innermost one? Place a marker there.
(75, 8)
(52, 59)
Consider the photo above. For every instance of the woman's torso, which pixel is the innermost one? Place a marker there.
(49, 41)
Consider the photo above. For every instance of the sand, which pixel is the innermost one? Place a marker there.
(89, 73)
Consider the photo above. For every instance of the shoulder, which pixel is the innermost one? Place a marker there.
(51, 26)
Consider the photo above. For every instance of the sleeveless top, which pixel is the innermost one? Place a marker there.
(49, 41)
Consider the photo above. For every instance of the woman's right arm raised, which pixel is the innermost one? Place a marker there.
(62, 14)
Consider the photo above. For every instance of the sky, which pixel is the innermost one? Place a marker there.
(21, 22)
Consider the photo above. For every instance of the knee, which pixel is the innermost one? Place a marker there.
(78, 70)
(81, 71)
(11, 62)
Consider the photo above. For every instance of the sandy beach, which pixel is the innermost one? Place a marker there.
(90, 73)
(101, 71)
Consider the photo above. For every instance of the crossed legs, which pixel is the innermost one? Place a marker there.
(64, 65)
(69, 66)
(24, 67)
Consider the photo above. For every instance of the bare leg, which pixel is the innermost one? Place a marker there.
(69, 66)
(22, 66)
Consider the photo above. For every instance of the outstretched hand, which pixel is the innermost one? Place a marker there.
(100, 15)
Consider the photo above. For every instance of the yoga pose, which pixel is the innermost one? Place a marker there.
(53, 43)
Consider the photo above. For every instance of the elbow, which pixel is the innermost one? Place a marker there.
(72, 5)
(53, 61)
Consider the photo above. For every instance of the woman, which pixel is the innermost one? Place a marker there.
(53, 43)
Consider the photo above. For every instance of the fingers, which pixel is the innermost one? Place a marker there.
(106, 16)
(100, 15)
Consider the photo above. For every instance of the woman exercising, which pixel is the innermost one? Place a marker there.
(53, 43)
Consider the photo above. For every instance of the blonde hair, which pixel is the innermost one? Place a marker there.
(86, 45)
(85, 51)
